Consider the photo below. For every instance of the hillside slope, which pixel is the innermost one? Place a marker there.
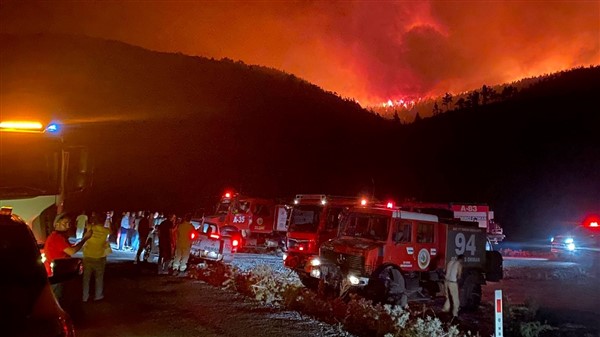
(170, 131)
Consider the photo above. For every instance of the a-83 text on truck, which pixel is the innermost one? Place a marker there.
(379, 242)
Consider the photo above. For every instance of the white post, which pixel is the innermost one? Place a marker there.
(498, 314)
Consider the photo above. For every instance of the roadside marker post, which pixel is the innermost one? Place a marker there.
(498, 314)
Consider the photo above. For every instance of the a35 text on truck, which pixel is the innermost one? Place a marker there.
(262, 222)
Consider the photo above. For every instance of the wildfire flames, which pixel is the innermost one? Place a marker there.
(372, 52)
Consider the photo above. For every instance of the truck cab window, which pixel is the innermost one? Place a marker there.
(333, 219)
(403, 231)
(424, 232)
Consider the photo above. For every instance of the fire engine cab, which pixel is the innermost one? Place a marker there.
(262, 222)
(376, 242)
(314, 219)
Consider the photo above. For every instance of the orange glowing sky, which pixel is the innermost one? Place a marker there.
(372, 51)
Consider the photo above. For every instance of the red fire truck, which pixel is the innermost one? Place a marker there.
(314, 219)
(262, 222)
(377, 242)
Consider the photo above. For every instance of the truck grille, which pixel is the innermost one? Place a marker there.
(346, 262)
(292, 243)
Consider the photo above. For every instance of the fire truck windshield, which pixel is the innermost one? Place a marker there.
(29, 165)
(366, 226)
(305, 218)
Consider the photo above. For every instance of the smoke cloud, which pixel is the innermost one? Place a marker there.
(370, 51)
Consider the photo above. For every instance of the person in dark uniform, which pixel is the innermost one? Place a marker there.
(144, 231)
(165, 244)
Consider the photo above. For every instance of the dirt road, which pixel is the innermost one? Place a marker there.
(139, 303)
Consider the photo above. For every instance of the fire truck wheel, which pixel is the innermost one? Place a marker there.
(471, 293)
(146, 252)
(308, 281)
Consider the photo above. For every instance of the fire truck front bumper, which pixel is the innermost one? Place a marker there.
(333, 275)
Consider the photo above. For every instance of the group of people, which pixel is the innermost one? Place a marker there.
(95, 245)
(175, 243)
(94, 234)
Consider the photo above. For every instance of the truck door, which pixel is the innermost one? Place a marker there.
(426, 245)
(400, 249)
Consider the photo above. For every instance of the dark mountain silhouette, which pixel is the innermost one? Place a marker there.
(170, 132)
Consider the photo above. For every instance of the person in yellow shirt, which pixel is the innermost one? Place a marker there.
(183, 245)
(95, 251)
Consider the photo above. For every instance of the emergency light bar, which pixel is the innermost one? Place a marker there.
(28, 126)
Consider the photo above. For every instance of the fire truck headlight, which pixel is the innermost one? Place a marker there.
(315, 272)
(353, 280)
(570, 246)
(568, 240)
(315, 262)
(284, 256)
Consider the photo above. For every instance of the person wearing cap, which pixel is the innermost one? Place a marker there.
(57, 246)
(453, 275)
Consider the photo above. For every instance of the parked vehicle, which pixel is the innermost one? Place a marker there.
(211, 243)
(262, 222)
(580, 244)
(28, 306)
(375, 239)
(314, 219)
(43, 176)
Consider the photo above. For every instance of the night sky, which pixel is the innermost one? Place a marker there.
(370, 51)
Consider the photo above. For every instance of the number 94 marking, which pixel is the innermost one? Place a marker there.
(462, 244)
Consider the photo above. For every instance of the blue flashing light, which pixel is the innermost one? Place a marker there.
(53, 128)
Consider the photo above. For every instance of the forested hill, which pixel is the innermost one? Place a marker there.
(170, 132)
(534, 156)
(165, 125)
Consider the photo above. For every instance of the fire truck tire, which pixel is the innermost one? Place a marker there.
(308, 281)
(471, 293)
(387, 287)
(146, 252)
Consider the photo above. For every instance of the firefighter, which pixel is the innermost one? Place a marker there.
(183, 244)
(453, 274)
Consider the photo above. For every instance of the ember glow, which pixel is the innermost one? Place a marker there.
(373, 52)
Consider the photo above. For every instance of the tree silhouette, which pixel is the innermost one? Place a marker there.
(446, 100)
(486, 94)
(461, 103)
(396, 117)
(418, 117)
(473, 98)
(436, 109)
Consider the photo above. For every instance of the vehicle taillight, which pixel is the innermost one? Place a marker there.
(390, 204)
(215, 236)
(594, 224)
(363, 202)
(235, 242)
(192, 235)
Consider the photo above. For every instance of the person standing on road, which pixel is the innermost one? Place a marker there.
(144, 231)
(95, 251)
(82, 221)
(165, 246)
(57, 246)
(123, 231)
(183, 244)
(453, 275)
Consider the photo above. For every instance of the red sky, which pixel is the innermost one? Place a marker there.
(369, 50)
